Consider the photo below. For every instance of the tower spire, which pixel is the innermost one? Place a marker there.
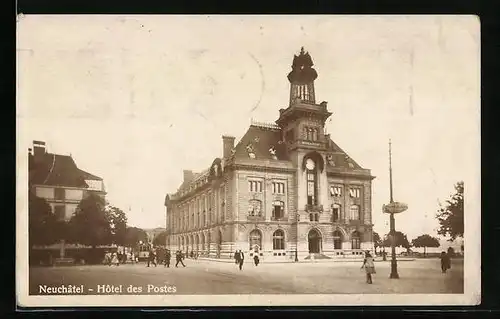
(302, 78)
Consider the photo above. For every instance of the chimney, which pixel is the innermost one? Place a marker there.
(227, 145)
(38, 149)
(188, 175)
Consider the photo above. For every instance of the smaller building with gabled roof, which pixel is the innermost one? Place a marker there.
(58, 180)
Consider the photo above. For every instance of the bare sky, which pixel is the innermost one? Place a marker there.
(136, 99)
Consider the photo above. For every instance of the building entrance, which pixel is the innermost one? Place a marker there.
(314, 239)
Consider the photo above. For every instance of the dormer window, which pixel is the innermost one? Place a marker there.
(272, 151)
(329, 160)
(250, 150)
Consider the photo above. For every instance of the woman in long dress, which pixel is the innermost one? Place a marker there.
(114, 259)
(369, 267)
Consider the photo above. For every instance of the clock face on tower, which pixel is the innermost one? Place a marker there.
(310, 164)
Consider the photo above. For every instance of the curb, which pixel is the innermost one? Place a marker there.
(323, 261)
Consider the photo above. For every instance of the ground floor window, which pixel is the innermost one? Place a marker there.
(337, 240)
(255, 239)
(279, 240)
(355, 241)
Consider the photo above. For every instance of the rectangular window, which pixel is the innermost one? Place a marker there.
(255, 186)
(59, 193)
(336, 191)
(278, 188)
(59, 212)
(278, 210)
(354, 192)
(354, 212)
(336, 213)
(355, 243)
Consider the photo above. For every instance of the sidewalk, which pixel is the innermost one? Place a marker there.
(309, 261)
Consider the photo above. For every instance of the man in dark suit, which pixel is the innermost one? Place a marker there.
(178, 258)
(241, 258)
(167, 258)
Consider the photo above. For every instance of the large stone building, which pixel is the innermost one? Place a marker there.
(57, 179)
(284, 191)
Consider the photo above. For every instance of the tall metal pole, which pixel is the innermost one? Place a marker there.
(394, 264)
(297, 237)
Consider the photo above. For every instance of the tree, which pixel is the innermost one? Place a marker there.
(90, 224)
(134, 235)
(118, 223)
(43, 226)
(401, 240)
(377, 241)
(451, 216)
(160, 239)
(425, 241)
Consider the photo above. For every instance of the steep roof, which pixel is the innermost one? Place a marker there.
(340, 158)
(57, 170)
(261, 139)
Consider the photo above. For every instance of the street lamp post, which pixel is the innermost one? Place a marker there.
(393, 208)
(297, 237)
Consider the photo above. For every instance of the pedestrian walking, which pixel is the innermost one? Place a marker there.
(256, 260)
(445, 262)
(115, 260)
(369, 267)
(237, 257)
(178, 258)
(241, 258)
(167, 258)
(107, 258)
(152, 257)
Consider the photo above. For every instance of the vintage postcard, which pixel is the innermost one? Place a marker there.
(170, 160)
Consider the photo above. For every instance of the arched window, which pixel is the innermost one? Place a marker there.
(336, 213)
(337, 240)
(355, 241)
(311, 171)
(278, 210)
(279, 240)
(255, 240)
(354, 212)
(254, 207)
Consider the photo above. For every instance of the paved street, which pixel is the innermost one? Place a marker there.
(209, 277)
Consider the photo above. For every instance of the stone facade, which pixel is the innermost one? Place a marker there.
(286, 191)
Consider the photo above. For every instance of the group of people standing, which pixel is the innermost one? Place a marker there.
(239, 258)
(115, 258)
(153, 259)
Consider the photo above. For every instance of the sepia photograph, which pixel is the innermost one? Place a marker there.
(253, 160)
